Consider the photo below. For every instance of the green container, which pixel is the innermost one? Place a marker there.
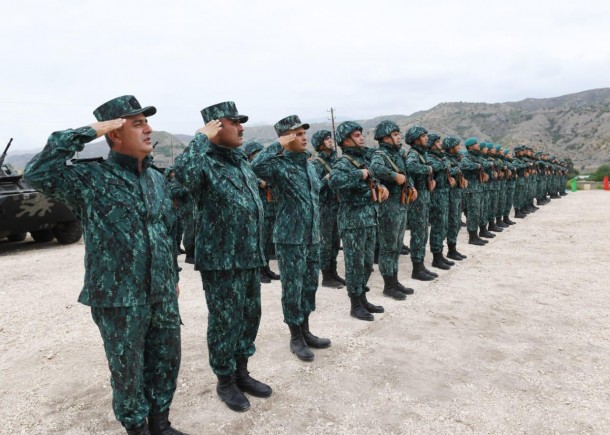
(574, 185)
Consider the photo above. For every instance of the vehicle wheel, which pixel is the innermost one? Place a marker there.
(42, 236)
(17, 237)
(68, 232)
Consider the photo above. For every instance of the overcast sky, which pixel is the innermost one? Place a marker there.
(59, 60)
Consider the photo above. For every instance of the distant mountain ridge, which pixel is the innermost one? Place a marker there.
(575, 126)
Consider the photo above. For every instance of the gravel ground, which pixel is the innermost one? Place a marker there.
(512, 340)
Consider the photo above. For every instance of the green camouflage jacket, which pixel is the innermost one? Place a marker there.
(385, 171)
(440, 165)
(323, 164)
(418, 166)
(127, 219)
(356, 209)
(298, 187)
(230, 212)
(469, 166)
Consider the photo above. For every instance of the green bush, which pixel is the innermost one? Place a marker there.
(602, 171)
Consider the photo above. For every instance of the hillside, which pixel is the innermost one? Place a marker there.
(575, 126)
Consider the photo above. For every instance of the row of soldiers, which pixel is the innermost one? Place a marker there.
(128, 215)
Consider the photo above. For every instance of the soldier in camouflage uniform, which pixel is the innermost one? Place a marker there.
(522, 174)
(270, 201)
(495, 188)
(503, 174)
(451, 146)
(330, 240)
(389, 166)
(229, 247)
(184, 205)
(439, 201)
(131, 275)
(510, 186)
(296, 234)
(358, 193)
(488, 170)
(472, 168)
(419, 169)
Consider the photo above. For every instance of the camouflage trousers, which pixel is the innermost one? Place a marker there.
(519, 197)
(483, 217)
(358, 253)
(329, 237)
(391, 235)
(439, 219)
(508, 203)
(493, 204)
(233, 298)
(299, 271)
(473, 208)
(142, 345)
(187, 219)
(418, 216)
(501, 200)
(454, 222)
(268, 245)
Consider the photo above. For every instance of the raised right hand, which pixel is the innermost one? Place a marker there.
(104, 127)
(211, 129)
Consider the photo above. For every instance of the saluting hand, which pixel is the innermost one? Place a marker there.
(104, 127)
(287, 140)
(211, 129)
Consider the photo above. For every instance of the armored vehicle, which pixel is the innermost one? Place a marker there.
(24, 210)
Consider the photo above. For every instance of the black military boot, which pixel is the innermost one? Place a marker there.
(419, 272)
(447, 262)
(473, 239)
(500, 223)
(507, 220)
(429, 272)
(370, 307)
(336, 276)
(271, 274)
(493, 227)
(247, 383)
(401, 288)
(140, 430)
(158, 424)
(519, 214)
(358, 310)
(390, 290)
(405, 250)
(438, 262)
(453, 253)
(484, 233)
(264, 279)
(328, 279)
(310, 339)
(298, 345)
(232, 396)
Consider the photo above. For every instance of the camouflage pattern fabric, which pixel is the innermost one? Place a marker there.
(142, 345)
(439, 200)
(454, 218)
(418, 211)
(297, 227)
(230, 212)
(185, 207)
(473, 194)
(288, 123)
(392, 214)
(233, 298)
(127, 220)
(329, 207)
(358, 252)
(121, 107)
(299, 270)
(226, 109)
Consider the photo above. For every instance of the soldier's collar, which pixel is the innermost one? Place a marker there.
(355, 151)
(128, 161)
(420, 149)
(234, 153)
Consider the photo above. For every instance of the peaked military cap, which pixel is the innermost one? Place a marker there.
(121, 107)
(291, 122)
(470, 142)
(222, 110)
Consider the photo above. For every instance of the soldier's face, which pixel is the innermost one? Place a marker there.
(299, 144)
(328, 144)
(393, 139)
(455, 150)
(356, 138)
(436, 145)
(422, 140)
(484, 150)
(133, 138)
(231, 135)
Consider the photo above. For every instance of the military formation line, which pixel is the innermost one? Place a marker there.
(240, 205)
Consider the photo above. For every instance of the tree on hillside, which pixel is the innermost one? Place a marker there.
(602, 171)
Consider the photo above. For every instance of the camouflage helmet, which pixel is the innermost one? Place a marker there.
(319, 137)
(252, 147)
(433, 137)
(385, 128)
(450, 142)
(414, 132)
(345, 129)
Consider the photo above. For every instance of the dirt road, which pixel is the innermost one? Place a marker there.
(515, 339)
